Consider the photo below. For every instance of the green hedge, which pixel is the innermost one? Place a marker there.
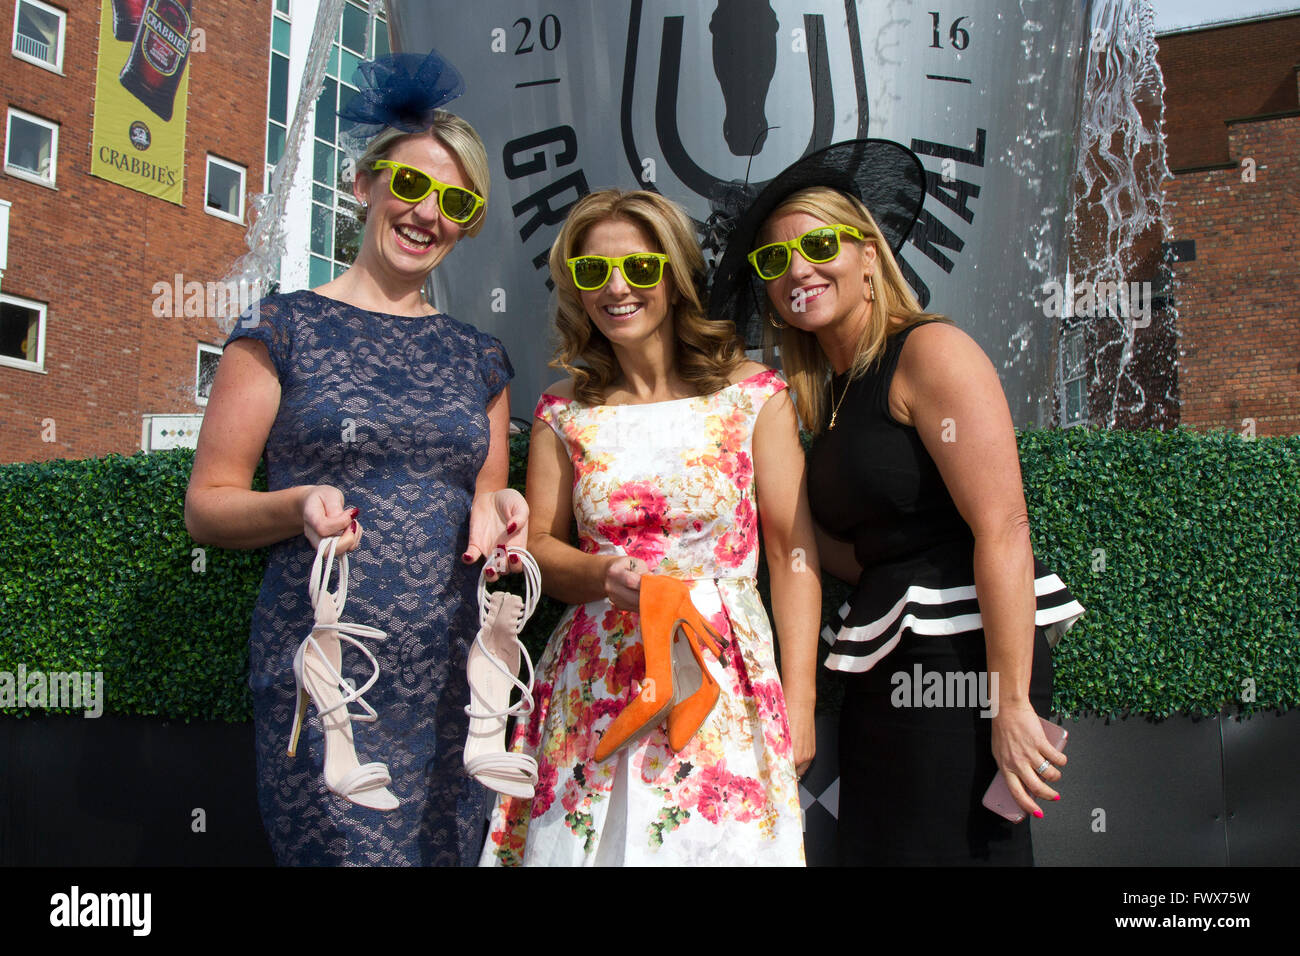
(1184, 547)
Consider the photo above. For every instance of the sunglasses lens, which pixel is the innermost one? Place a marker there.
(590, 273)
(410, 184)
(772, 261)
(458, 204)
(820, 245)
(643, 271)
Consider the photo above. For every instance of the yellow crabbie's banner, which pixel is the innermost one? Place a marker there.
(141, 92)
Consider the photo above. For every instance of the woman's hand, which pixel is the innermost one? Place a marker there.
(497, 520)
(1020, 747)
(623, 583)
(803, 734)
(324, 514)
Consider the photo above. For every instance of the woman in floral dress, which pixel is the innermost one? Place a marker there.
(665, 446)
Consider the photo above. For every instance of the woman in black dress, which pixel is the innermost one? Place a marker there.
(915, 485)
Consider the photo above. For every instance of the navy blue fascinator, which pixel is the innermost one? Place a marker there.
(401, 90)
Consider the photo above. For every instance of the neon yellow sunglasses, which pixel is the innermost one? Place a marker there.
(414, 185)
(816, 245)
(640, 269)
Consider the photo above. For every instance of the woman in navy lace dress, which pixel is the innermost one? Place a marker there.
(384, 422)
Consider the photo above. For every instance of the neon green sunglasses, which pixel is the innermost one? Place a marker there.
(816, 245)
(640, 269)
(414, 185)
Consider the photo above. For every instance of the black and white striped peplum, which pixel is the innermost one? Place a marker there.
(885, 609)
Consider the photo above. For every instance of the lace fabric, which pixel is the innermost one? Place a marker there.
(392, 410)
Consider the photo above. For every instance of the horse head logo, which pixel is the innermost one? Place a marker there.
(744, 43)
(744, 61)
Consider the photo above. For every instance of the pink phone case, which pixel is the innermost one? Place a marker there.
(998, 796)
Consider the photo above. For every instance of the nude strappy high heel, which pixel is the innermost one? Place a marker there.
(317, 678)
(491, 669)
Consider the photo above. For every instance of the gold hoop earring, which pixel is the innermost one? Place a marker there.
(871, 282)
(771, 318)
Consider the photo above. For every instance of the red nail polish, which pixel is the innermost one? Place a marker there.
(1038, 814)
(354, 526)
(355, 512)
(465, 557)
(1057, 797)
(514, 559)
(511, 529)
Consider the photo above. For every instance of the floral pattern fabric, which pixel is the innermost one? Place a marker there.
(671, 484)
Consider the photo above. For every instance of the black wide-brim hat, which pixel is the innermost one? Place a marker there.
(885, 176)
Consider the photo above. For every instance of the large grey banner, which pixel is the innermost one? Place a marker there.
(682, 95)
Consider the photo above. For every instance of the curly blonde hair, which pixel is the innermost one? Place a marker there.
(707, 350)
(803, 362)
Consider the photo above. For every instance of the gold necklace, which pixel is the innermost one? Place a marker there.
(836, 410)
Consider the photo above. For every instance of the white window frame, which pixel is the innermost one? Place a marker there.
(57, 65)
(204, 348)
(1066, 336)
(286, 15)
(26, 174)
(243, 188)
(43, 310)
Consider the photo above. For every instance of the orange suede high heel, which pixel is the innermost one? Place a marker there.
(695, 692)
(659, 599)
(666, 614)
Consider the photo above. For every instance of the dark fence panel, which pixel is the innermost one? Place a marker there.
(124, 791)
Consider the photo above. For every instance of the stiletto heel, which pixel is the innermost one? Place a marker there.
(491, 669)
(695, 698)
(318, 679)
(666, 613)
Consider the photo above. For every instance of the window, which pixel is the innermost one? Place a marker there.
(31, 148)
(225, 193)
(205, 370)
(1074, 378)
(282, 7)
(277, 108)
(38, 34)
(355, 25)
(22, 333)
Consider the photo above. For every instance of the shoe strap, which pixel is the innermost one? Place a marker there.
(489, 622)
(350, 693)
(327, 606)
(524, 705)
(532, 585)
(366, 776)
(503, 765)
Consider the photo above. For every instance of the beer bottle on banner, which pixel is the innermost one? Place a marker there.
(162, 46)
(126, 18)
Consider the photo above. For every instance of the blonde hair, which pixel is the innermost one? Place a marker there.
(461, 141)
(803, 362)
(707, 351)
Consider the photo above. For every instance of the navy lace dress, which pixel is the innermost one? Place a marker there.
(391, 410)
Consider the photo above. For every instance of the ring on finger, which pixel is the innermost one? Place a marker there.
(1042, 766)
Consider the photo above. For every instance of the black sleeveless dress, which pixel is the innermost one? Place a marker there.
(913, 766)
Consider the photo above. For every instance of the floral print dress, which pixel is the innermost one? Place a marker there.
(671, 484)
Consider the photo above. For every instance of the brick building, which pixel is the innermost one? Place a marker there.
(86, 364)
(84, 358)
(1232, 123)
